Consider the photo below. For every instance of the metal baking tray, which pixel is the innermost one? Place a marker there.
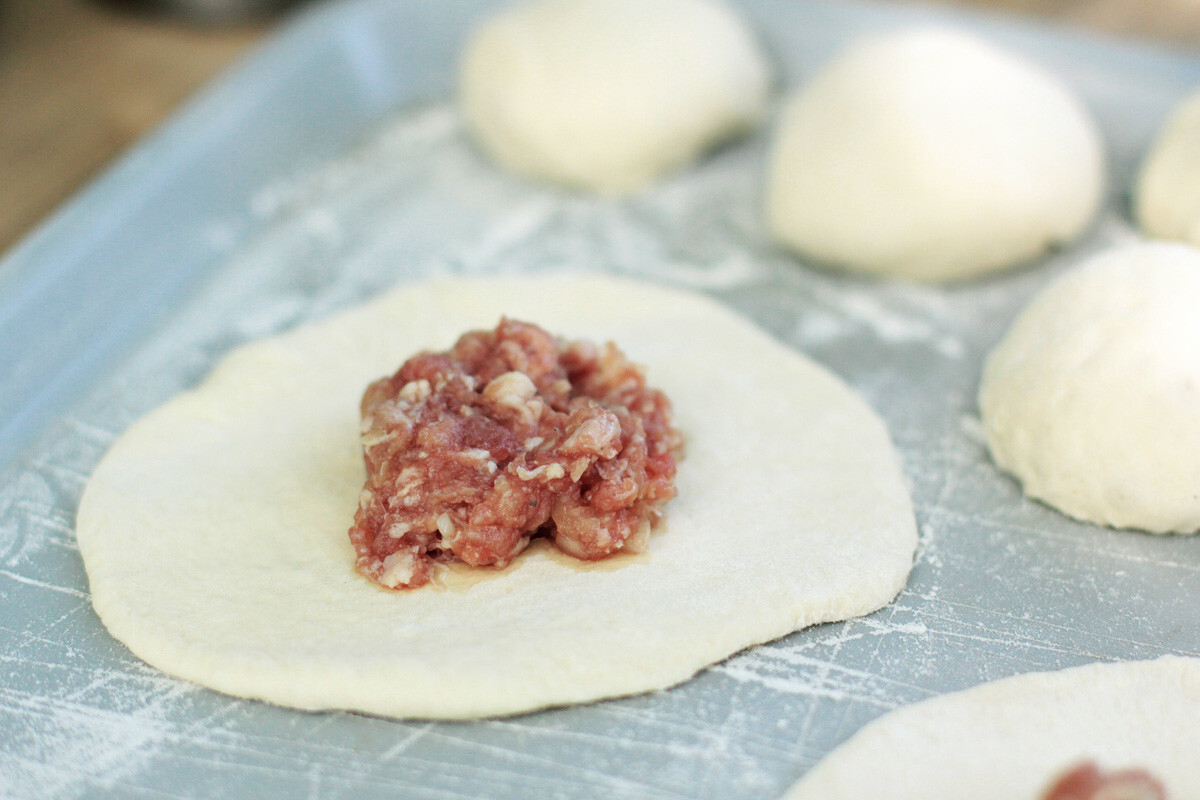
(331, 165)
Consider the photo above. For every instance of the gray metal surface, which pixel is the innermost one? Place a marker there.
(331, 166)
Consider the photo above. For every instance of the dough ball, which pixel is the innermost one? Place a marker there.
(609, 94)
(1092, 399)
(929, 154)
(1167, 197)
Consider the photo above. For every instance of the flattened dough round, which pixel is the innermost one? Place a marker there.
(1092, 398)
(214, 532)
(929, 154)
(1008, 739)
(609, 94)
(1166, 201)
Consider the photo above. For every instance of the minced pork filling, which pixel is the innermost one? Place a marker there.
(511, 434)
(1088, 782)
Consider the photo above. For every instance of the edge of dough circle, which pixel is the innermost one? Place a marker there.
(214, 531)
(1008, 739)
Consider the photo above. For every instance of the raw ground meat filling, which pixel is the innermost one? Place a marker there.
(1088, 782)
(511, 434)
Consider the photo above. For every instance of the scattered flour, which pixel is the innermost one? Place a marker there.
(999, 587)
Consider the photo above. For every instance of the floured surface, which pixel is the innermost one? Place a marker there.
(214, 533)
(1012, 738)
(1001, 585)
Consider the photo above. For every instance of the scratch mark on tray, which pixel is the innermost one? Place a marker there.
(43, 584)
(522, 758)
(405, 743)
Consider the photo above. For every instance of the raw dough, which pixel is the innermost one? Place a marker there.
(1008, 739)
(1092, 399)
(1166, 198)
(929, 154)
(214, 532)
(609, 94)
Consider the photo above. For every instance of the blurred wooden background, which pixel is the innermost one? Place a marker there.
(80, 81)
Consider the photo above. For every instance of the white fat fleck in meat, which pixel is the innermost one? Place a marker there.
(599, 434)
(510, 388)
(515, 391)
(546, 472)
(373, 438)
(533, 441)
(399, 568)
(398, 529)
(408, 486)
(639, 540)
(415, 391)
(475, 454)
(578, 467)
(586, 537)
(388, 414)
(446, 527)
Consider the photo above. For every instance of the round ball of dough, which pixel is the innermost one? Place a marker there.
(1092, 399)
(929, 154)
(609, 94)
(1167, 197)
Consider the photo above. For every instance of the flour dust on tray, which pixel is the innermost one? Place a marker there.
(214, 531)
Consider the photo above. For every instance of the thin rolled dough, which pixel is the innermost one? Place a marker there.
(214, 532)
(1006, 740)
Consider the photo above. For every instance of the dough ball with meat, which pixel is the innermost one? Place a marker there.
(929, 154)
(1167, 195)
(607, 95)
(1092, 398)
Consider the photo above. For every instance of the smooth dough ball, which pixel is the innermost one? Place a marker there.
(928, 154)
(1092, 399)
(609, 94)
(1167, 197)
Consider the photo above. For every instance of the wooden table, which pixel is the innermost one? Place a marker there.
(79, 82)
